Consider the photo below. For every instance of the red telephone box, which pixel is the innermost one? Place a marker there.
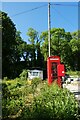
(55, 70)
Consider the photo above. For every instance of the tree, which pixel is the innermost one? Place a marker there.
(59, 45)
(20, 50)
(8, 45)
(35, 51)
(75, 46)
(32, 39)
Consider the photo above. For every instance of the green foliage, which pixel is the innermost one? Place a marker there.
(13, 48)
(74, 73)
(5, 78)
(63, 44)
(11, 107)
(35, 48)
(8, 45)
(51, 103)
(13, 97)
(37, 101)
(35, 82)
(33, 34)
(75, 46)
(16, 94)
(18, 55)
(23, 75)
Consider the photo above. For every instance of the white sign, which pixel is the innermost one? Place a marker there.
(54, 58)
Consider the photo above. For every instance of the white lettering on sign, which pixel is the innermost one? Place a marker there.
(54, 58)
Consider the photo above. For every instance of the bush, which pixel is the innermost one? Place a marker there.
(24, 75)
(16, 95)
(37, 101)
(35, 83)
(52, 103)
(13, 97)
(74, 73)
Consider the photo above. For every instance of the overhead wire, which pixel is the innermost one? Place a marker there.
(55, 4)
(28, 10)
(52, 4)
(67, 20)
(67, 5)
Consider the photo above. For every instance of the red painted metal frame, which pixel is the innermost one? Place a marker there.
(60, 69)
(51, 62)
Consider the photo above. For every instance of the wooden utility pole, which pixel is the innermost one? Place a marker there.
(49, 27)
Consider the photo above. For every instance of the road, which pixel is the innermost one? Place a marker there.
(74, 87)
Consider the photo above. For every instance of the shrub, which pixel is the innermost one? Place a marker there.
(35, 83)
(13, 97)
(37, 101)
(23, 75)
(74, 73)
(52, 103)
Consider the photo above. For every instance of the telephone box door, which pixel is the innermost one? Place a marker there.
(52, 63)
(54, 71)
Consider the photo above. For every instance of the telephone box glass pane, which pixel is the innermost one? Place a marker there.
(54, 70)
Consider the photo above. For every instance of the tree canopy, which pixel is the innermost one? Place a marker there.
(18, 54)
(8, 45)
